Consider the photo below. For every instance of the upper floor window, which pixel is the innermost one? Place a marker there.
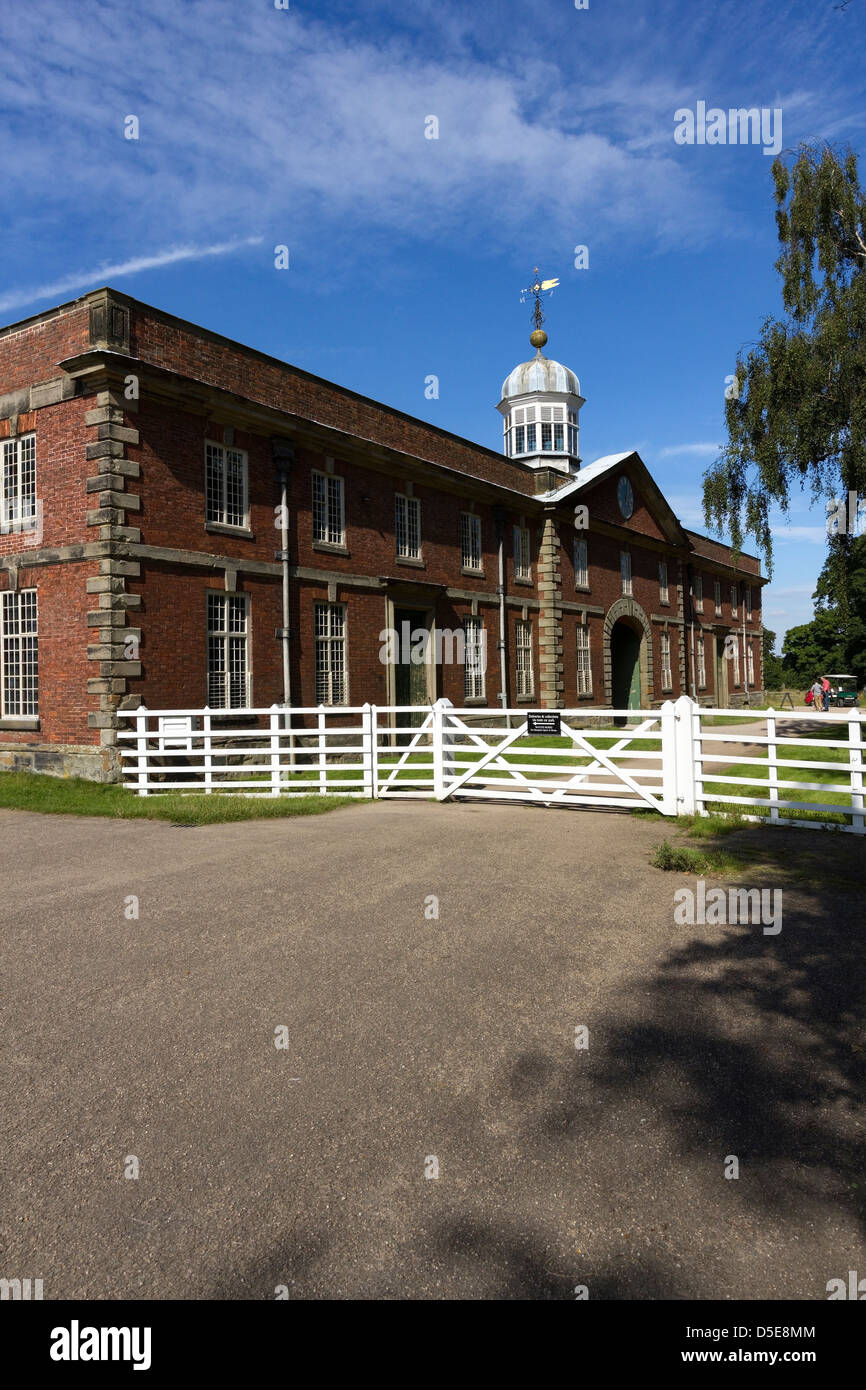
(329, 509)
(581, 563)
(699, 593)
(572, 432)
(18, 499)
(625, 570)
(733, 600)
(19, 657)
(225, 485)
(522, 564)
(408, 527)
(717, 597)
(664, 596)
(749, 602)
(228, 651)
(470, 541)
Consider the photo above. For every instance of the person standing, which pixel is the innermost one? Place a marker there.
(817, 694)
(825, 692)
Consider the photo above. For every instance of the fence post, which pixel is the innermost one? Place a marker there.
(141, 747)
(323, 766)
(772, 765)
(275, 750)
(684, 711)
(368, 744)
(437, 731)
(855, 755)
(206, 747)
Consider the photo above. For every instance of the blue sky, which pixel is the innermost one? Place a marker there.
(305, 127)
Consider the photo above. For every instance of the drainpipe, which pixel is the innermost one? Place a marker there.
(745, 661)
(691, 574)
(499, 520)
(283, 455)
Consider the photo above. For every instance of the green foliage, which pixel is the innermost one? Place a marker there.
(813, 648)
(799, 414)
(774, 674)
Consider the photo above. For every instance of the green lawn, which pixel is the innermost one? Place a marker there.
(821, 776)
(73, 796)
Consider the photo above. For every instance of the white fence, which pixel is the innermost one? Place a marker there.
(675, 760)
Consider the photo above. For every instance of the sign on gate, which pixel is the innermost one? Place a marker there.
(547, 722)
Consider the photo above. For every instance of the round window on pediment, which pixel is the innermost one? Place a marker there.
(625, 496)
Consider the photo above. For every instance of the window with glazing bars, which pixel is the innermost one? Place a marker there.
(18, 500)
(584, 665)
(749, 603)
(750, 663)
(523, 658)
(699, 593)
(228, 656)
(522, 564)
(331, 682)
(473, 659)
(408, 527)
(225, 475)
(735, 660)
(19, 655)
(329, 521)
(733, 600)
(717, 596)
(625, 570)
(470, 541)
(667, 678)
(702, 664)
(581, 564)
(664, 596)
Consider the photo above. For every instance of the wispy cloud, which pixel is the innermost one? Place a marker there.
(700, 450)
(83, 280)
(812, 535)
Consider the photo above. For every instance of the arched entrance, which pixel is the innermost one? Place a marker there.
(625, 665)
(628, 656)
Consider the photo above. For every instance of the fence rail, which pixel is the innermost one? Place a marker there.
(679, 759)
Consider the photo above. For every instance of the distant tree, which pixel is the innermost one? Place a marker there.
(797, 413)
(811, 649)
(841, 592)
(774, 675)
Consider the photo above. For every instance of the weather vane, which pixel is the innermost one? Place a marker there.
(537, 289)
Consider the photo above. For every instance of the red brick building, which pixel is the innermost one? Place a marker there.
(186, 521)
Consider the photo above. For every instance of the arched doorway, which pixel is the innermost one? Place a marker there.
(628, 656)
(625, 641)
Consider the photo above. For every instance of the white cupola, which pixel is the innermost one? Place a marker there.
(539, 407)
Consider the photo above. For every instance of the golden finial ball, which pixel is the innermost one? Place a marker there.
(538, 338)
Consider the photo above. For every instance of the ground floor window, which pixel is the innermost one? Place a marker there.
(19, 657)
(584, 666)
(523, 652)
(750, 663)
(332, 686)
(473, 668)
(667, 675)
(228, 651)
(735, 659)
(702, 665)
